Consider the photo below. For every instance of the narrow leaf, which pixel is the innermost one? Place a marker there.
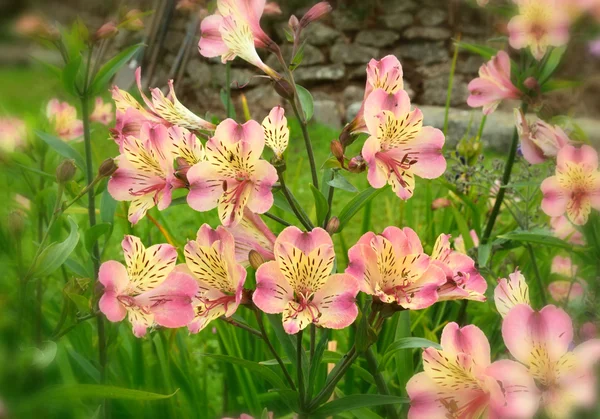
(407, 343)
(340, 182)
(356, 401)
(306, 100)
(321, 205)
(62, 148)
(356, 204)
(56, 254)
(108, 70)
(254, 367)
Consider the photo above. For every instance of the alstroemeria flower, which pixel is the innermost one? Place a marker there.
(564, 266)
(233, 176)
(511, 292)
(103, 112)
(145, 175)
(588, 331)
(459, 381)
(235, 31)
(277, 133)
(459, 242)
(13, 134)
(400, 147)
(542, 341)
(575, 189)
(463, 280)
(187, 149)
(211, 260)
(567, 291)
(63, 118)
(540, 140)
(299, 283)
(564, 230)
(393, 267)
(493, 84)
(540, 24)
(251, 233)
(147, 290)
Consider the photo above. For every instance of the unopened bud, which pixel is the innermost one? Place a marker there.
(316, 12)
(133, 21)
(107, 31)
(181, 168)
(272, 9)
(65, 171)
(293, 23)
(107, 168)
(531, 83)
(440, 203)
(284, 89)
(357, 164)
(337, 150)
(333, 225)
(255, 259)
(346, 138)
(16, 223)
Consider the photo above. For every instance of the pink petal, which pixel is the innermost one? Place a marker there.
(585, 155)
(469, 340)
(427, 149)
(273, 291)
(211, 43)
(113, 276)
(336, 301)
(520, 398)
(422, 293)
(555, 199)
(261, 197)
(425, 401)
(173, 300)
(379, 100)
(205, 187)
(305, 241)
(111, 306)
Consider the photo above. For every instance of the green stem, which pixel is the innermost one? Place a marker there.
(313, 340)
(326, 391)
(276, 218)
(301, 388)
(538, 276)
(286, 193)
(379, 381)
(228, 89)
(307, 144)
(329, 202)
(450, 86)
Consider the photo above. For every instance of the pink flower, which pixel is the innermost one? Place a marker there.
(459, 381)
(233, 176)
(459, 242)
(511, 292)
(400, 147)
(540, 24)
(147, 290)
(272, 9)
(542, 341)
(235, 31)
(564, 266)
(493, 84)
(540, 140)
(211, 260)
(575, 189)
(588, 331)
(299, 283)
(251, 233)
(463, 280)
(315, 13)
(13, 134)
(63, 118)
(107, 31)
(102, 113)
(393, 267)
(277, 133)
(145, 175)
(567, 291)
(564, 230)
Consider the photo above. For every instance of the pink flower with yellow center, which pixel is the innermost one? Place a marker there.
(103, 112)
(511, 292)
(147, 290)
(493, 84)
(277, 133)
(542, 341)
(540, 140)
(459, 242)
(13, 134)
(299, 283)
(463, 280)
(564, 230)
(233, 176)
(575, 189)
(567, 291)
(251, 233)
(539, 25)
(393, 267)
(211, 260)
(459, 381)
(399, 146)
(145, 174)
(63, 118)
(235, 32)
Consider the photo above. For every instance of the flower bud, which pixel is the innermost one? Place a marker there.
(133, 21)
(333, 225)
(357, 164)
(181, 168)
(272, 9)
(346, 138)
(588, 331)
(284, 89)
(337, 150)
(531, 83)
(65, 171)
(293, 23)
(35, 26)
(440, 203)
(107, 168)
(16, 223)
(107, 31)
(255, 259)
(316, 12)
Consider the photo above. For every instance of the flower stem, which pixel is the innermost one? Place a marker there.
(325, 393)
(307, 144)
(301, 389)
(538, 277)
(304, 220)
(379, 380)
(276, 218)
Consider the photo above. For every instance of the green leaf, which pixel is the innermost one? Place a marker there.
(280, 202)
(539, 236)
(482, 50)
(552, 85)
(406, 343)
(483, 254)
(81, 302)
(57, 253)
(108, 70)
(252, 366)
(356, 401)
(463, 228)
(69, 75)
(62, 148)
(297, 59)
(108, 205)
(554, 59)
(321, 205)
(356, 204)
(340, 182)
(78, 268)
(44, 356)
(92, 235)
(306, 100)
